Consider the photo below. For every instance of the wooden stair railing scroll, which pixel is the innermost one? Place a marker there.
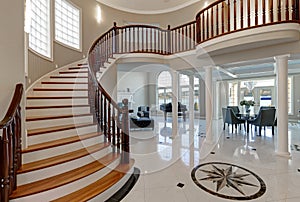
(10, 145)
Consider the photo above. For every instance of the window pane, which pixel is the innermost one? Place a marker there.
(164, 82)
(39, 36)
(67, 18)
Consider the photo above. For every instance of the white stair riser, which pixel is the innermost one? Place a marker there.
(69, 188)
(111, 60)
(58, 122)
(36, 139)
(65, 78)
(74, 74)
(106, 65)
(47, 102)
(59, 93)
(61, 168)
(68, 86)
(80, 69)
(57, 111)
(55, 151)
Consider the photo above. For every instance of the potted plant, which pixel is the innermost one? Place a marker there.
(247, 104)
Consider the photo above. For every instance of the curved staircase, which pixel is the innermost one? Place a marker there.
(67, 158)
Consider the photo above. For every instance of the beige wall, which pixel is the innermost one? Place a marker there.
(109, 81)
(11, 50)
(91, 30)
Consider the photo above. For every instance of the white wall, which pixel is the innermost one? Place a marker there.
(11, 50)
(137, 82)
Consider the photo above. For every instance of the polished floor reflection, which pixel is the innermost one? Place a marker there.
(166, 160)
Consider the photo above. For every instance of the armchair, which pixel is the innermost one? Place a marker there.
(143, 111)
(229, 117)
(265, 117)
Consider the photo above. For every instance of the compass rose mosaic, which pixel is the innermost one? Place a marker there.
(228, 181)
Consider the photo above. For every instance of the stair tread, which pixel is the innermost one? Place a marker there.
(44, 163)
(64, 178)
(99, 186)
(38, 118)
(80, 67)
(55, 106)
(60, 89)
(40, 131)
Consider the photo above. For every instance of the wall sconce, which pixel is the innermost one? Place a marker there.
(98, 14)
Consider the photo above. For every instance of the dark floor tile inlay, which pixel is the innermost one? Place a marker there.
(228, 181)
(180, 185)
(118, 196)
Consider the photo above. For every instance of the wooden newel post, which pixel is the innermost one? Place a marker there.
(125, 132)
(5, 178)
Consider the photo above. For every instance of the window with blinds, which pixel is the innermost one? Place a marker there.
(39, 35)
(68, 24)
(233, 98)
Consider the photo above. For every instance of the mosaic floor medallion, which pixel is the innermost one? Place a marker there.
(228, 181)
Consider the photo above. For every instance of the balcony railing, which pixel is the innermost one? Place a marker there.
(228, 16)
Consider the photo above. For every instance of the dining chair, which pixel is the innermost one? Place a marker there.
(230, 117)
(265, 117)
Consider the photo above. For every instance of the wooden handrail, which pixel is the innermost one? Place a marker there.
(10, 145)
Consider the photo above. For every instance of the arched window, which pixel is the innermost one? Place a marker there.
(164, 83)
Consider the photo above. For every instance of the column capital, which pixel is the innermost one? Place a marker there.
(278, 57)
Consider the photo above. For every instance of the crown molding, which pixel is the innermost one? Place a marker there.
(147, 12)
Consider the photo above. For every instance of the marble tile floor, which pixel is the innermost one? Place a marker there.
(166, 161)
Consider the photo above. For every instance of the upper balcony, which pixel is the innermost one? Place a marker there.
(223, 27)
(236, 25)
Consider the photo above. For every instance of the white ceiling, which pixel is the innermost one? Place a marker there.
(148, 6)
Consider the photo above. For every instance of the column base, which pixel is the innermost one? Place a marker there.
(284, 154)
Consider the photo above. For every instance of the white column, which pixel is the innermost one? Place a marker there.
(191, 103)
(174, 103)
(239, 92)
(209, 105)
(275, 86)
(282, 105)
(216, 99)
